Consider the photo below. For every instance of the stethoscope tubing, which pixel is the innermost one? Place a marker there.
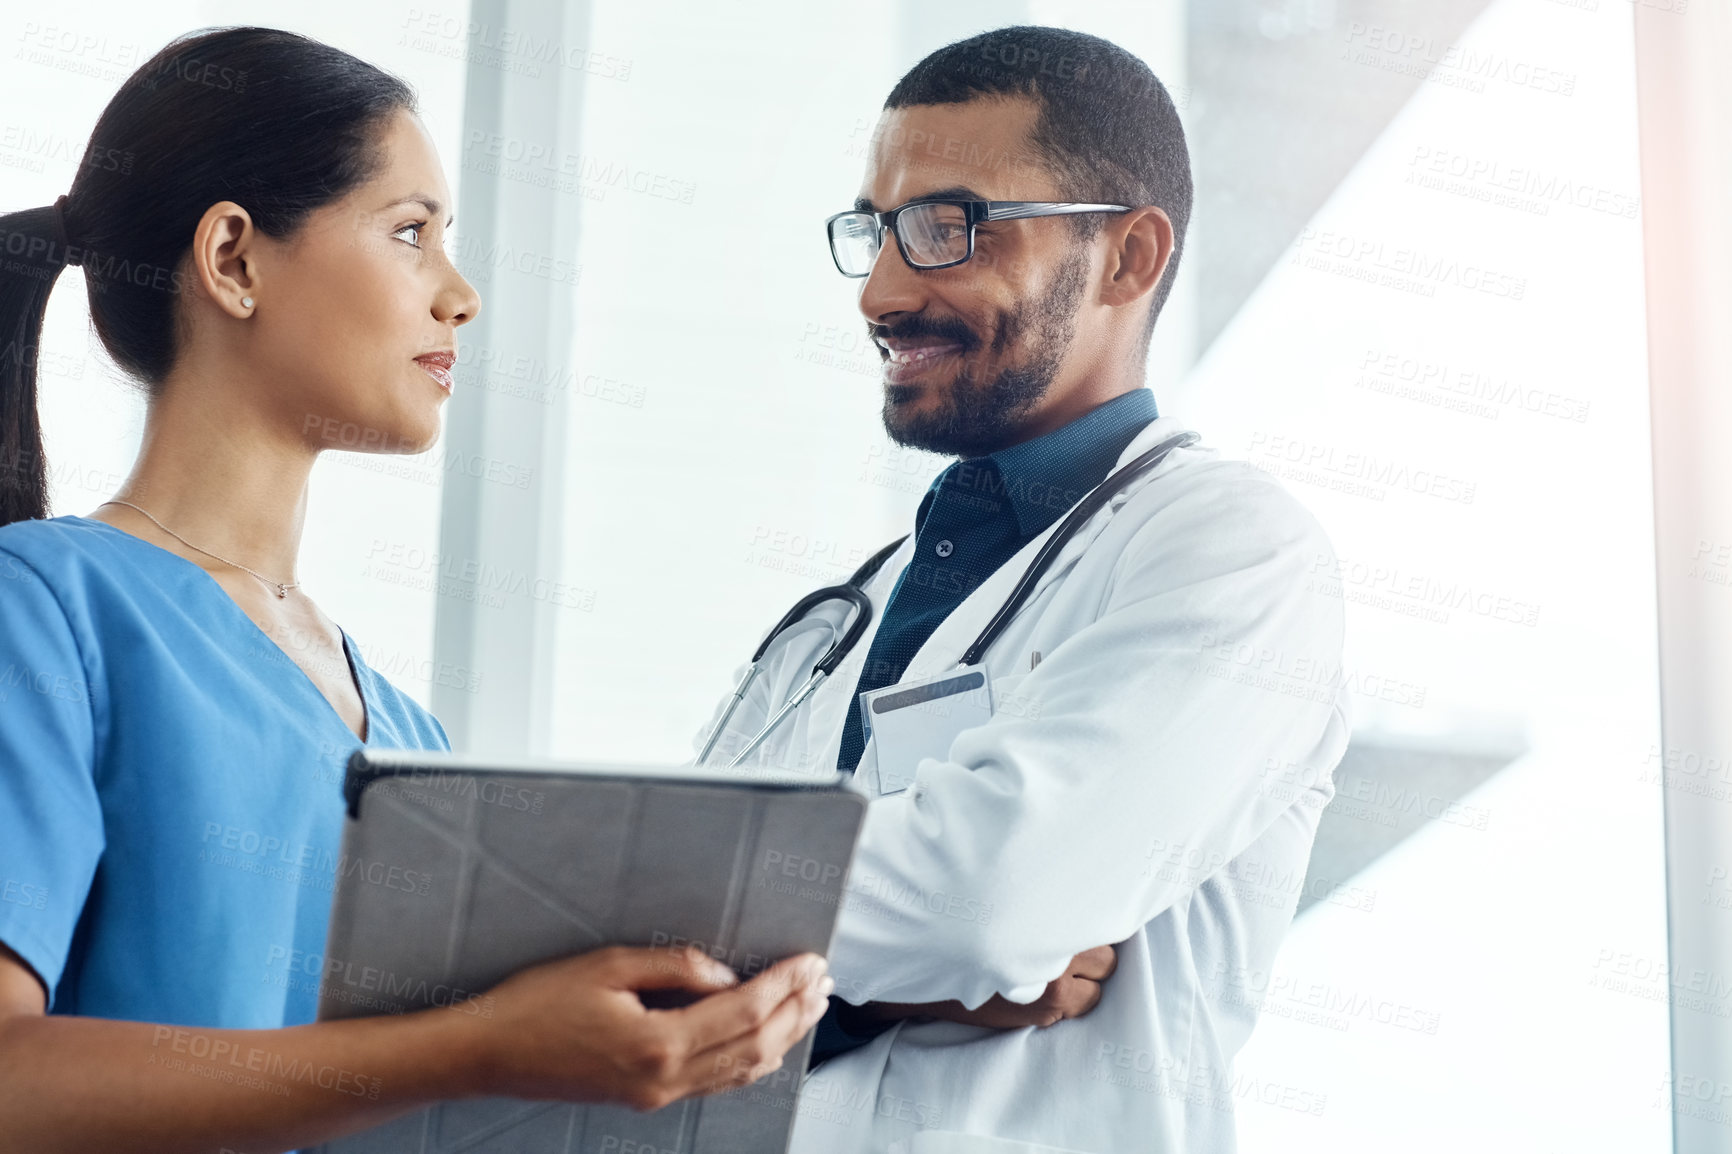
(851, 591)
(1084, 509)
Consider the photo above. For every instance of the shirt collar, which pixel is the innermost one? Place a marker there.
(1044, 477)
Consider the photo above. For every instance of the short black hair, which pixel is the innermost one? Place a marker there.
(1107, 126)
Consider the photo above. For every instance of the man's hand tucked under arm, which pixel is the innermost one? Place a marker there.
(1071, 995)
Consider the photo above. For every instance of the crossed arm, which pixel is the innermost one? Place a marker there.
(1139, 770)
(1070, 995)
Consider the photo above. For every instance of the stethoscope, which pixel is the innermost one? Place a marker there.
(853, 592)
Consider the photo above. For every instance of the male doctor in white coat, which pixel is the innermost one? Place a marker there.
(1061, 914)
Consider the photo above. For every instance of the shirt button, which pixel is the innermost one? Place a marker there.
(944, 548)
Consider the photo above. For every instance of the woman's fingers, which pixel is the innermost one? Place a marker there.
(733, 1014)
(650, 969)
(577, 1028)
(751, 1056)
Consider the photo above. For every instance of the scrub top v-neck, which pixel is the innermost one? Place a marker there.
(170, 785)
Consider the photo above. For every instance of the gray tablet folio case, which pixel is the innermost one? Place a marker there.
(455, 873)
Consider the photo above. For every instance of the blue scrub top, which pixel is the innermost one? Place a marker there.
(171, 804)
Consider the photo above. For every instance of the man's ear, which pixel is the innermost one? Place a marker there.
(1141, 248)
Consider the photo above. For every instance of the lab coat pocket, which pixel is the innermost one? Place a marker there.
(912, 722)
(1009, 701)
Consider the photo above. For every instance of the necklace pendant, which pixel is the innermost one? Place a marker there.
(282, 592)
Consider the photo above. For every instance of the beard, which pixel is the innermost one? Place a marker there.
(977, 417)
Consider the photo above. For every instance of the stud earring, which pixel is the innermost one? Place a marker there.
(246, 302)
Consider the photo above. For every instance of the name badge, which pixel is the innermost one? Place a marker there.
(912, 721)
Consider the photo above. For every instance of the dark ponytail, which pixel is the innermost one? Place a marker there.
(279, 124)
(28, 269)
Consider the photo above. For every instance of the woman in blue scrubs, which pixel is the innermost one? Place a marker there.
(260, 220)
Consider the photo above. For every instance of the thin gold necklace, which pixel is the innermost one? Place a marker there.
(282, 588)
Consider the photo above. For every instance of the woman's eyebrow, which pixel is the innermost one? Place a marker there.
(432, 206)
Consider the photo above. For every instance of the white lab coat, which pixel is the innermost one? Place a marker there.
(1154, 783)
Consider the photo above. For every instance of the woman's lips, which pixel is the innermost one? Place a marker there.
(907, 364)
(438, 366)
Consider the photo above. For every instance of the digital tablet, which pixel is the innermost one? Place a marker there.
(457, 872)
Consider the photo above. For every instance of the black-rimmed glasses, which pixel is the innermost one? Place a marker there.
(931, 233)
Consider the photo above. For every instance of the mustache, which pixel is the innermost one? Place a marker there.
(920, 325)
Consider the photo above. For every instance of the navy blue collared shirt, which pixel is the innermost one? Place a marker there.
(975, 517)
